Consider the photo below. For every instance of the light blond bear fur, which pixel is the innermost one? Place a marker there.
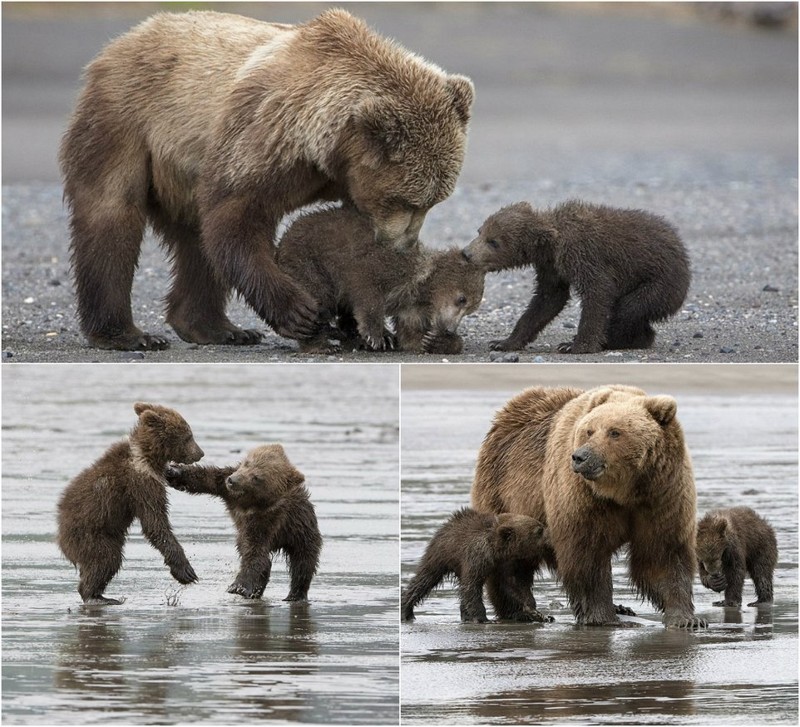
(212, 126)
(601, 468)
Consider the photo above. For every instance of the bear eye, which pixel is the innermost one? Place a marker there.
(590, 433)
(461, 301)
(491, 242)
(614, 433)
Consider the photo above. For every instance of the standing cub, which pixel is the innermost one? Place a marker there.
(629, 268)
(333, 255)
(471, 546)
(733, 542)
(126, 483)
(271, 509)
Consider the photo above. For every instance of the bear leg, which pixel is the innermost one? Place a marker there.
(196, 302)
(761, 573)
(470, 590)
(427, 577)
(105, 251)
(238, 235)
(733, 588)
(624, 333)
(302, 568)
(596, 305)
(96, 574)
(252, 579)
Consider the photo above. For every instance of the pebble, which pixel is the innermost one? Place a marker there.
(7, 355)
(569, 324)
(770, 289)
(727, 349)
(538, 359)
(699, 334)
(132, 355)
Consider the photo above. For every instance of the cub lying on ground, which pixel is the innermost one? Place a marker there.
(332, 253)
(629, 268)
(272, 511)
(471, 546)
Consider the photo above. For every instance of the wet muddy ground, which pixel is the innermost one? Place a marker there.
(743, 669)
(198, 654)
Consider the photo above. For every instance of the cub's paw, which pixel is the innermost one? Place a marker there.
(689, 622)
(506, 344)
(296, 597)
(624, 610)
(760, 603)
(247, 590)
(442, 342)
(578, 347)
(534, 616)
(183, 573)
(727, 603)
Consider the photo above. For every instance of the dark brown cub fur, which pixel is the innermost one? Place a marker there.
(472, 546)
(731, 543)
(629, 267)
(272, 511)
(126, 483)
(358, 283)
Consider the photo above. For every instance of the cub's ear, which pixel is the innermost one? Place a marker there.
(150, 419)
(141, 406)
(720, 525)
(463, 93)
(661, 408)
(506, 534)
(382, 127)
(295, 477)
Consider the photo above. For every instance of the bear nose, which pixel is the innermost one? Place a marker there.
(579, 456)
(466, 254)
(231, 480)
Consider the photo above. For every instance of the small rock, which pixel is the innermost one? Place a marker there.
(614, 353)
(538, 359)
(55, 282)
(726, 349)
(699, 334)
(770, 289)
(29, 300)
(511, 358)
(569, 324)
(495, 355)
(132, 355)
(7, 355)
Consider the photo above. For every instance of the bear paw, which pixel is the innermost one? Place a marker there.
(624, 611)
(183, 573)
(689, 622)
(726, 603)
(246, 590)
(761, 603)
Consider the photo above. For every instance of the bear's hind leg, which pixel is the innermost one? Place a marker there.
(761, 572)
(196, 302)
(470, 591)
(97, 574)
(302, 567)
(427, 577)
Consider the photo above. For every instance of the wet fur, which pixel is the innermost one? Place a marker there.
(645, 497)
(732, 543)
(272, 512)
(126, 483)
(211, 127)
(629, 268)
(472, 547)
(358, 284)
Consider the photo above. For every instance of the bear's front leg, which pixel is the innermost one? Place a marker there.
(548, 301)
(588, 583)
(596, 307)
(252, 579)
(470, 590)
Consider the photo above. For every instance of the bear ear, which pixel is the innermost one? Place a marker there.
(141, 406)
(150, 419)
(295, 477)
(720, 525)
(661, 408)
(463, 93)
(505, 534)
(382, 127)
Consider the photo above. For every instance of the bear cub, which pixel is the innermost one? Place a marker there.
(629, 267)
(332, 253)
(271, 509)
(730, 543)
(126, 483)
(472, 546)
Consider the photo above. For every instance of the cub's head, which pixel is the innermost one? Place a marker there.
(617, 439)
(265, 476)
(162, 434)
(519, 536)
(402, 150)
(453, 290)
(512, 237)
(712, 540)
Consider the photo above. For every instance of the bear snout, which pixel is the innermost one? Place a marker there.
(466, 254)
(195, 454)
(587, 463)
(232, 482)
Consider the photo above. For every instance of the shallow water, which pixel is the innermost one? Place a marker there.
(743, 669)
(198, 654)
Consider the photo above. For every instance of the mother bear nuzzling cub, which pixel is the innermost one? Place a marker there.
(211, 127)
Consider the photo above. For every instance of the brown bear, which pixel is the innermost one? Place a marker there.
(472, 546)
(126, 483)
(730, 543)
(629, 267)
(601, 468)
(357, 284)
(272, 512)
(211, 127)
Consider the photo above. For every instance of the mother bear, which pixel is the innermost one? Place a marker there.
(602, 468)
(211, 127)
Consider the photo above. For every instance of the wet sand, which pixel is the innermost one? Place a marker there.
(742, 670)
(198, 654)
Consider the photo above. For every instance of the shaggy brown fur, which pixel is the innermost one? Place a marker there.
(126, 483)
(733, 542)
(211, 127)
(601, 468)
(472, 546)
(629, 268)
(271, 509)
(358, 284)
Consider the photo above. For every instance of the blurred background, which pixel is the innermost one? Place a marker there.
(555, 81)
